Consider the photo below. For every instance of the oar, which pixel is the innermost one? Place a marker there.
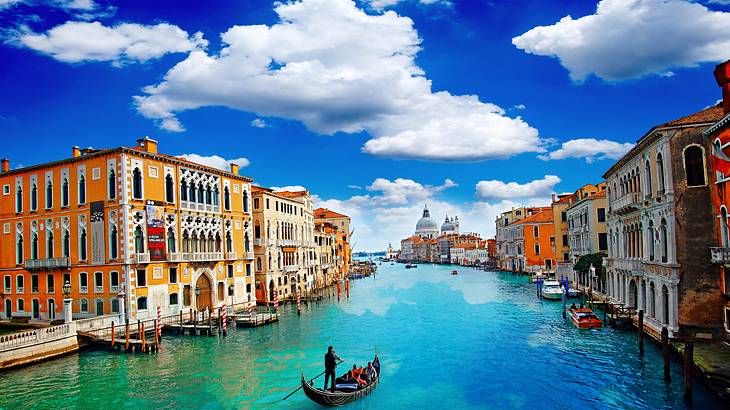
(300, 386)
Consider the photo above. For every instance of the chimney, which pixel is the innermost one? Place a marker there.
(5, 165)
(555, 198)
(722, 76)
(75, 151)
(148, 144)
(234, 168)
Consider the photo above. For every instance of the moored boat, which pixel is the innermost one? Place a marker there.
(552, 290)
(339, 398)
(584, 318)
(454, 272)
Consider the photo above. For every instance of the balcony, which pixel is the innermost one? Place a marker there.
(203, 256)
(48, 263)
(231, 256)
(291, 268)
(634, 266)
(326, 265)
(288, 242)
(174, 257)
(311, 263)
(141, 258)
(270, 242)
(249, 255)
(258, 242)
(720, 255)
(626, 204)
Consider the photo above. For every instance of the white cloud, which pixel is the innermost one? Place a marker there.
(80, 4)
(632, 38)
(336, 68)
(258, 123)
(290, 188)
(215, 161)
(74, 42)
(520, 107)
(382, 4)
(589, 148)
(539, 188)
(5, 4)
(403, 191)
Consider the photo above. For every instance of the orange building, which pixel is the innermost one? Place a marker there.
(492, 249)
(538, 241)
(342, 223)
(129, 229)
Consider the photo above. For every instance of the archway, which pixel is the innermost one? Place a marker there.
(259, 291)
(203, 293)
(633, 295)
(271, 290)
(8, 308)
(665, 304)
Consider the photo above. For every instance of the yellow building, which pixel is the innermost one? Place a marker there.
(342, 223)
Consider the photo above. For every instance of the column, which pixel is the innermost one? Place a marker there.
(67, 310)
(122, 309)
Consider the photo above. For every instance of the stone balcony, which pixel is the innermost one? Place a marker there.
(289, 242)
(248, 255)
(202, 256)
(231, 256)
(311, 263)
(720, 255)
(634, 266)
(48, 263)
(174, 257)
(627, 203)
(141, 258)
(291, 268)
(258, 242)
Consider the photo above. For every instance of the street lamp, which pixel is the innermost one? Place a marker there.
(197, 291)
(67, 310)
(66, 289)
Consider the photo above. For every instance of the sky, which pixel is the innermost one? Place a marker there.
(377, 107)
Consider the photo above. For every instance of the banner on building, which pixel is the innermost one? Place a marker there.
(156, 231)
(98, 241)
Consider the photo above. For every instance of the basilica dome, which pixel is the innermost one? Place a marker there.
(426, 227)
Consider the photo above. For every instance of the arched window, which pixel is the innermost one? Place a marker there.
(19, 199)
(49, 195)
(183, 190)
(229, 242)
(650, 238)
(201, 200)
(226, 198)
(33, 197)
(82, 244)
(185, 242)
(64, 192)
(724, 228)
(246, 245)
(652, 300)
(216, 196)
(66, 247)
(82, 189)
(49, 245)
(84, 305)
(113, 242)
(191, 197)
(245, 201)
(169, 189)
(137, 184)
(112, 181)
(138, 240)
(19, 250)
(208, 195)
(142, 303)
(660, 173)
(34, 246)
(694, 166)
(647, 176)
(258, 264)
(664, 240)
(665, 304)
(171, 240)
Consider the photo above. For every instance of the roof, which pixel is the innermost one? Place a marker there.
(293, 194)
(710, 114)
(540, 217)
(324, 213)
(565, 199)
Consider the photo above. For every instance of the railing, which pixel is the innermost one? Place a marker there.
(19, 339)
(288, 242)
(326, 265)
(141, 258)
(258, 242)
(249, 255)
(631, 265)
(627, 201)
(311, 263)
(291, 268)
(174, 257)
(205, 256)
(48, 263)
(720, 255)
(231, 256)
(183, 205)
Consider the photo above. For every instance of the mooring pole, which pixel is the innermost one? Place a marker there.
(641, 332)
(126, 331)
(688, 368)
(112, 335)
(665, 354)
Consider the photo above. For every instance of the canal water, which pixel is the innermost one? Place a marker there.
(479, 340)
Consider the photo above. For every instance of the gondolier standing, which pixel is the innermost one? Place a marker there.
(330, 363)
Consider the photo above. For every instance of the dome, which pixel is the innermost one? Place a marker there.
(426, 226)
(447, 226)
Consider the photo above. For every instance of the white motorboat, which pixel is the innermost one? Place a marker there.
(552, 290)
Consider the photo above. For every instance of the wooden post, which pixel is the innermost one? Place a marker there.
(112, 335)
(195, 324)
(210, 324)
(641, 332)
(564, 297)
(126, 343)
(220, 319)
(181, 324)
(605, 308)
(157, 340)
(665, 354)
(688, 368)
(144, 344)
(139, 329)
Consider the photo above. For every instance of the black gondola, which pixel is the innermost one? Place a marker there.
(339, 398)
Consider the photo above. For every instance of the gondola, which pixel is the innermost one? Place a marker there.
(339, 398)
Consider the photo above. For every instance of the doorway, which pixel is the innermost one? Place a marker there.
(203, 293)
(8, 308)
(36, 309)
(51, 309)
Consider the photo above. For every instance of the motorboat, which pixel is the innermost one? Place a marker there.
(552, 290)
(584, 318)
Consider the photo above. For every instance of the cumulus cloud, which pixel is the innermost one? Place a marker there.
(539, 188)
(289, 188)
(402, 191)
(382, 4)
(215, 161)
(4, 4)
(75, 42)
(258, 123)
(336, 68)
(589, 148)
(632, 38)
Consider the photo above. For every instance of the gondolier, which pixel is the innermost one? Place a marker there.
(330, 363)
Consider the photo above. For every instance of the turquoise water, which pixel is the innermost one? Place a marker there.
(478, 340)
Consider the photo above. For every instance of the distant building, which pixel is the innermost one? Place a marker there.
(391, 253)
(426, 227)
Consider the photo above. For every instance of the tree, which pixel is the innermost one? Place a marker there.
(585, 262)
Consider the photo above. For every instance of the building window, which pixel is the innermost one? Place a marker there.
(566, 257)
(255, 203)
(186, 295)
(138, 240)
(19, 249)
(183, 190)
(49, 195)
(191, 192)
(258, 264)
(114, 281)
(173, 299)
(727, 319)
(724, 227)
(171, 240)
(660, 172)
(664, 240)
(64, 193)
(21, 305)
(602, 241)
(565, 240)
(208, 195)
(169, 189)
(229, 242)
(66, 246)
(7, 284)
(99, 307)
(537, 249)
(142, 303)
(227, 199)
(98, 282)
(34, 246)
(173, 274)
(82, 190)
(248, 269)
(49, 243)
(725, 273)
(115, 305)
(221, 291)
(245, 201)
(141, 277)
(83, 282)
(82, 245)
(694, 166)
(33, 197)
(137, 184)
(84, 306)
(536, 231)
(19, 199)
(112, 181)
(601, 214)
(230, 271)
(34, 284)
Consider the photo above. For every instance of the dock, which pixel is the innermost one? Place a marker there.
(255, 319)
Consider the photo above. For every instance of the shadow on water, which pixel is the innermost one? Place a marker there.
(475, 340)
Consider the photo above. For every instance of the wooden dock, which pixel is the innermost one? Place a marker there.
(257, 319)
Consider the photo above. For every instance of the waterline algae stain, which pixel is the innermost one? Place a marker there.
(478, 340)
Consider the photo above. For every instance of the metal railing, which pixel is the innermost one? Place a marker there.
(47, 263)
(720, 255)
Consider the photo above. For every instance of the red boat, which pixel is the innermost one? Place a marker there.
(584, 318)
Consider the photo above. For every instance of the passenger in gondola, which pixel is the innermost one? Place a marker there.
(356, 375)
(330, 363)
(370, 373)
(572, 306)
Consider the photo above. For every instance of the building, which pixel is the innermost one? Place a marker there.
(391, 253)
(492, 249)
(587, 233)
(564, 264)
(510, 240)
(719, 136)
(283, 232)
(536, 240)
(344, 236)
(129, 230)
(426, 227)
(659, 229)
(325, 238)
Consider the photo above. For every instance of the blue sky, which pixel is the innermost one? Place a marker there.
(377, 106)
